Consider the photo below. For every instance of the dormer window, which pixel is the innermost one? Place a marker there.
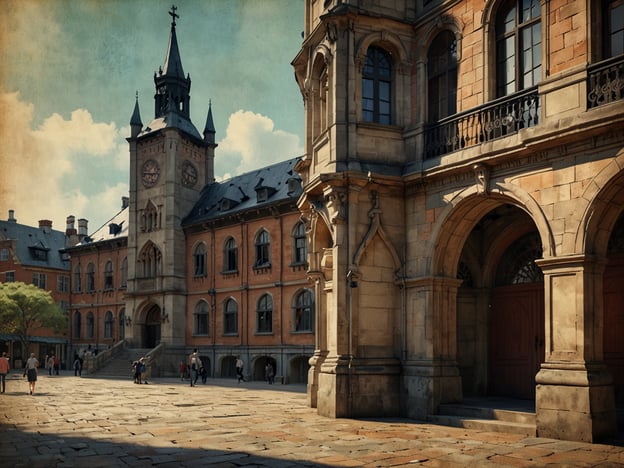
(39, 253)
(293, 185)
(227, 204)
(262, 194)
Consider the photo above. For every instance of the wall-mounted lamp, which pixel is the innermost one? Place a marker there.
(164, 317)
(128, 321)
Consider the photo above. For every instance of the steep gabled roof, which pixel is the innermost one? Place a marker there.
(36, 246)
(238, 194)
(114, 228)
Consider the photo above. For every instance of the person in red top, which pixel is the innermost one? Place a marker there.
(4, 370)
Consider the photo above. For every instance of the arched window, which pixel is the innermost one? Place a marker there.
(303, 319)
(90, 277)
(518, 46)
(109, 325)
(201, 318)
(199, 260)
(230, 317)
(300, 246)
(77, 279)
(264, 315)
(442, 76)
(124, 272)
(230, 255)
(90, 325)
(108, 275)
(377, 86)
(150, 218)
(263, 249)
(517, 265)
(149, 261)
(77, 325)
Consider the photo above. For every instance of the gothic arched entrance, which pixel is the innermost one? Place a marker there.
(151, 333)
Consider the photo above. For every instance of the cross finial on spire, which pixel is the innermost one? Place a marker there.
(173, 14)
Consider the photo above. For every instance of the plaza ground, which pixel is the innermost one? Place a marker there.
(104, 422)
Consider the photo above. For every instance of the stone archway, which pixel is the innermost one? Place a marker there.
(151, 327)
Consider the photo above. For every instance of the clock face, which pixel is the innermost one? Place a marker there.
(189, 174)
(150, 173)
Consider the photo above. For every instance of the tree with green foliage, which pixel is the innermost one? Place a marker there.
(24, 308)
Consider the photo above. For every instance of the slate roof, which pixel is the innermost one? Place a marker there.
(35, 246)
(115, 228)
(171, 120)
(239, 193)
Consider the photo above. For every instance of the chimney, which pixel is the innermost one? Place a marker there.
(12, 217)
(71, 235)
(45, 225)
(82, 228)
(124, 202)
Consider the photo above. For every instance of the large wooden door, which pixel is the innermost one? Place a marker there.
(516, 339)
(152, 328)
(613, 290)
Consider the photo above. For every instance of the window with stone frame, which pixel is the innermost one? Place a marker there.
(230, 255)
(230, 317)
(77, 278)
(518, 46)
(109, 325)
(124, 272)
(263, 249)
(90, 277)
(76, 325)
(442, 76)
(199, 261)
(304, 311)
(613, 30)
(90, 325)
(264, 314)
(377, 86)
(40, 280)
(300, 246)
(200, 320)
(108, 275)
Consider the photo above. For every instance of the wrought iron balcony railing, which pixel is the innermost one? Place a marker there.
(605, 82)
(495, 119)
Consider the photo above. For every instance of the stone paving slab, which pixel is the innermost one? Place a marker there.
(103, 422)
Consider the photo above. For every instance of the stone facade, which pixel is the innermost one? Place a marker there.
(470, 248)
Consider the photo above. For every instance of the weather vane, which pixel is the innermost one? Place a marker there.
(173, 14)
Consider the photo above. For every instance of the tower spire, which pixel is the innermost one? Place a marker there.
(172, 87)
(135, 121)
(209, 128)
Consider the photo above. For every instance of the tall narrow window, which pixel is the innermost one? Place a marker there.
(230, 317)
(377, 86)
(76, 325)
(230, 255)
(442, 76)
(90, 277)
(263, 248)
(518, 46)
(304, 312)
(77, 279)
(201, 318)
(108, 275)
(300, 249)
(109, 324)
(199, 261)
(614, 32)
(90, 325)
(264, 315)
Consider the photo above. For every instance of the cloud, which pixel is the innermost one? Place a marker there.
(251, 142)
(62, 167)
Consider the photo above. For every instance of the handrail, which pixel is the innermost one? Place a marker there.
(605, 82)
(496, 119)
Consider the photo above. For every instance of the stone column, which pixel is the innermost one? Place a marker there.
(574, 394)
(430, 373)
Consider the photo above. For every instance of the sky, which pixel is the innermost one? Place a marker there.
(70, 71)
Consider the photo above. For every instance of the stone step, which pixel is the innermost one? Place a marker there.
(490, 425)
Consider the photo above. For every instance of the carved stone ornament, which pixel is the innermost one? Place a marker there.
(482, 178)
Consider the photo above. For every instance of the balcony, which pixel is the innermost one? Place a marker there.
(605, 82)
(496, 119)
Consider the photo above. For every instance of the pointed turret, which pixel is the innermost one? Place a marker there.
(172, 88)
(135, 121)
(209, 129)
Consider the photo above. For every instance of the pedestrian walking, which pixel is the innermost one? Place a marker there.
(50, 364)
(194, 364)
(269, 373)
(203, 374)
(137, 367)
(77, 366)
(57, 365)
(182, 370)
(4, 370)
(31, 372)
(239, 369)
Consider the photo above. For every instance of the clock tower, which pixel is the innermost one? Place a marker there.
(170, 163)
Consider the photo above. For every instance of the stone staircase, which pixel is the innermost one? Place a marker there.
(495, 415)
(121, 365)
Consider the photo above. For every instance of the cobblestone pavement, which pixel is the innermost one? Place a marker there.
(99, 422)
